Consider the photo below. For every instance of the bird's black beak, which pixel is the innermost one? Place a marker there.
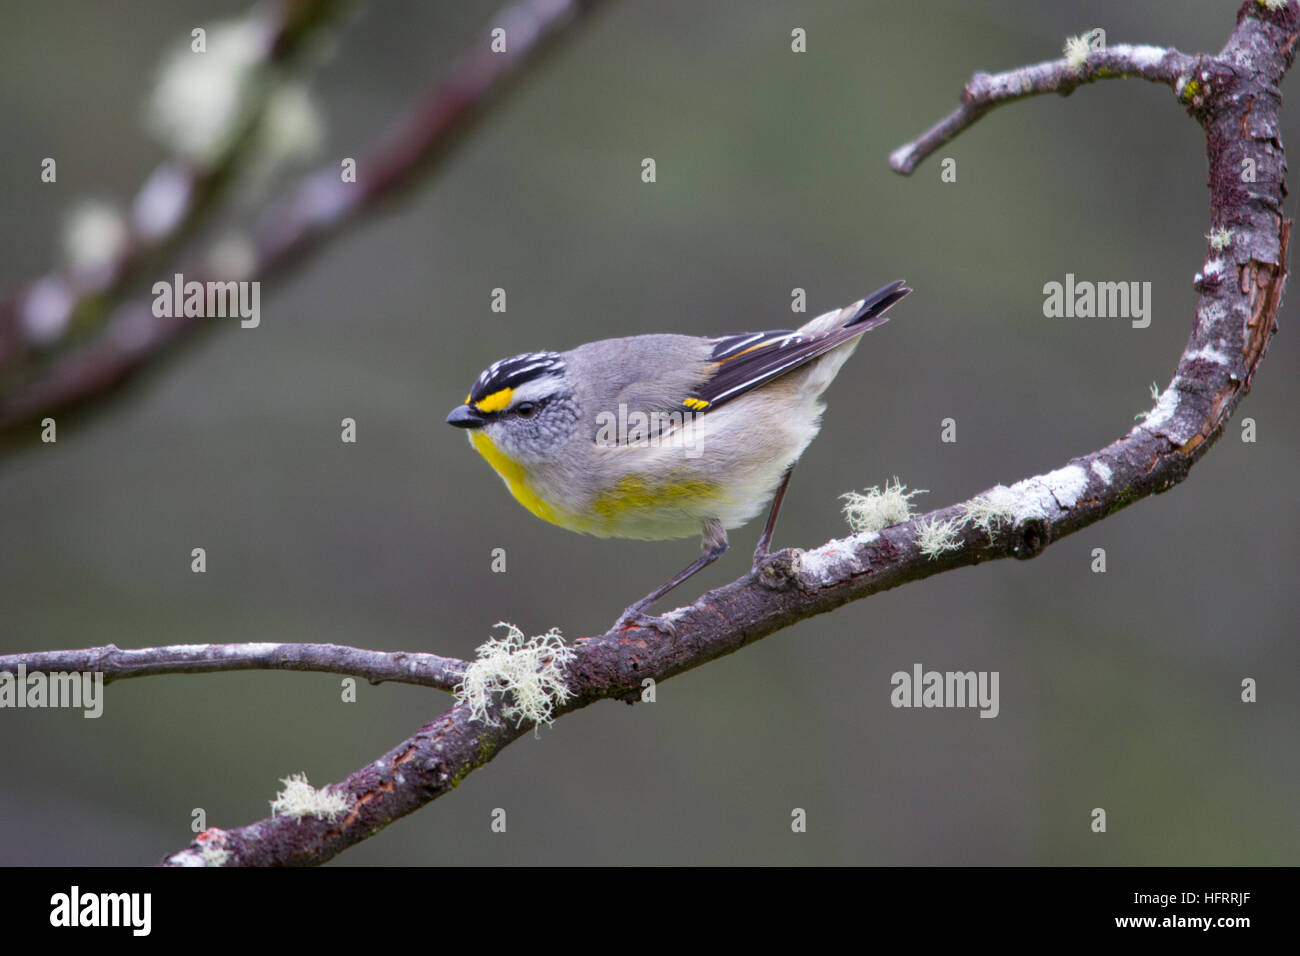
(466, 416)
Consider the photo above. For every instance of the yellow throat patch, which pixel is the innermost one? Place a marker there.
(516, 478)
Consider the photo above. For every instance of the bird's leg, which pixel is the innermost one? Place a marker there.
(714, 543)
(765, 539)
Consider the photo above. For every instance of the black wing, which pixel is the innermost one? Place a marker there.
(749, 359)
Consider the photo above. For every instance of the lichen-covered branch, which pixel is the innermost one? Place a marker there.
(116, 663)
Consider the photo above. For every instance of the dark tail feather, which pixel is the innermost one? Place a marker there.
(874, 305)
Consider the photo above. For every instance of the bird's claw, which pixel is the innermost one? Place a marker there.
(641, 619)
(775, 569)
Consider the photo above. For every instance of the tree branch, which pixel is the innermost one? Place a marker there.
(1236, 100)
(115, 663)
(984, 91)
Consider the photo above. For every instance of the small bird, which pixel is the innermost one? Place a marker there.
(663, 436)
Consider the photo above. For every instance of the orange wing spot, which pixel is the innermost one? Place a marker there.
(742, 352)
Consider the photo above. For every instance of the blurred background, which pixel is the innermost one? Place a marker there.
(1118, 690)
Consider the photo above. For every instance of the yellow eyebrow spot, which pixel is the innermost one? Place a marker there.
(696, 403)
(496, 401)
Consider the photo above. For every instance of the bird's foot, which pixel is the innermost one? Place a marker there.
(775, 569)
(635, 617)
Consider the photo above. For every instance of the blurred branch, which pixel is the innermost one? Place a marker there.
(115, 663)
(171, 204)
(1241, 283)
(310, 214)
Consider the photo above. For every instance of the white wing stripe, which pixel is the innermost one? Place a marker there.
(769, 373)
(753, 338)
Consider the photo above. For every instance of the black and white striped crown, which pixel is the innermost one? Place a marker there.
(514, 371)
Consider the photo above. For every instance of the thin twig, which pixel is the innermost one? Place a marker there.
(115, 663)
(985, 91)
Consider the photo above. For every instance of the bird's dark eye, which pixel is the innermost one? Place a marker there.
(525, 409)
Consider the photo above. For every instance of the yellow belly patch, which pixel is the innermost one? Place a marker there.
(633, 494)
(634, 507)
